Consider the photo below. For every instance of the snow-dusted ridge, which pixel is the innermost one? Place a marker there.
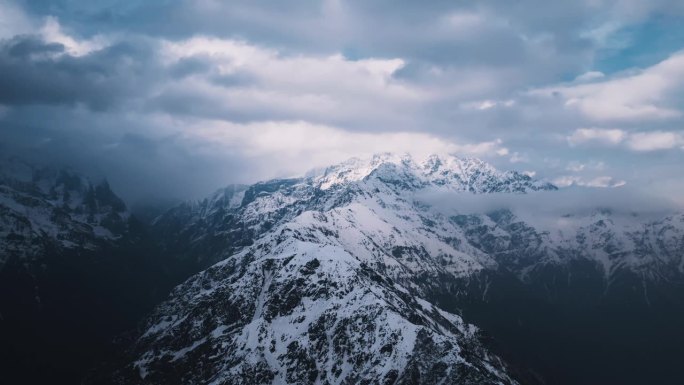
(447, 171)
(296, 310)
(213, 229)
(333, 278)
(325, 279)
(43, 208)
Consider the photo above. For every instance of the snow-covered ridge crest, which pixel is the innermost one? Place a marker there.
(234, 217)
(327, 279)
(43, 207)
(318, 300)
(324, 280)
(393, 189)
(445, 171)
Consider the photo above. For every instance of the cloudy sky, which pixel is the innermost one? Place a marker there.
(182, 97)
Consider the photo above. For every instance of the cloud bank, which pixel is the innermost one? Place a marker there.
(554, 210)
(180, 98)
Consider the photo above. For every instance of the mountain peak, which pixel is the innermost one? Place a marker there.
(436, 170)
(43, 207)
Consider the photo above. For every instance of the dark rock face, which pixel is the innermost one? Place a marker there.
(290, 275)
(340, 277)
(75, 270)
(568, 325)
(293, 314)
(611, 296)
(304, 313)
(44, 209)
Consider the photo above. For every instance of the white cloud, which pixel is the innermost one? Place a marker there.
(487, 104)
(52, 32)
(517, 157)
(482, 149)
(638, 141)
(296, 87)
(576, 167)
(599, 181)
(590, 76)
(297, 146)
(579, 167)
(605, 35)
(550, 209)
(13, 20)
(636, 95)
(287, 84)
(654, 141)
(313, 73)
(598, 135)
(462, 21)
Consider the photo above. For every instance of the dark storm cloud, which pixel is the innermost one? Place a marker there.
(33, 71)
(189, 103)
(483, 33)
(189, 66)
(139, 158)
(189, 85)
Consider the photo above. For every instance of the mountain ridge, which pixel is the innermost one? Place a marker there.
(271, 274)
(365, 212)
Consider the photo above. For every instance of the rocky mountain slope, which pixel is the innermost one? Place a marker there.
(298, 307)
(310, 267)
(234, 217)
(76, 269)
(650, 247)
(327, 266)
(348, 274)
(43, 208)
(217, 227)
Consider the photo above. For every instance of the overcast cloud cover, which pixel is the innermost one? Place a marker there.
(182, 97)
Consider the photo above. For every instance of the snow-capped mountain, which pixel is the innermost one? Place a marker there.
(234, 217)
(75, 270)
(335, 277)
(650, 248)
(449, 172)
(317, 270)
(299, 307)
(216, 227)
(44, 208)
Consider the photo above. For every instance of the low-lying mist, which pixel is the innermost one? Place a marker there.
(557, 209)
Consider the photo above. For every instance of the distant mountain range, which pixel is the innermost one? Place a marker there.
(347, 275)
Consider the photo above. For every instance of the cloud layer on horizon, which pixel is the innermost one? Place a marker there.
(198, 94)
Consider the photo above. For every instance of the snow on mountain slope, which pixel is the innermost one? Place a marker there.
(43, 208)
(218, 226)
(651, 248)
(450, 172)
(301, 306)
(323, 280)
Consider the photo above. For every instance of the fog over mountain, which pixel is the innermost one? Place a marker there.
(545, 208)
(341, 192)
